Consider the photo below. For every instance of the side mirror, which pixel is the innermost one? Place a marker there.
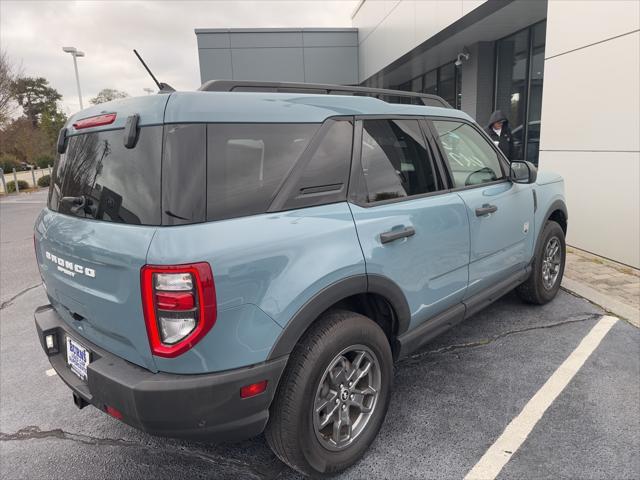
(523, 172)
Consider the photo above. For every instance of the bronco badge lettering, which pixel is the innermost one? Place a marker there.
(69, 268)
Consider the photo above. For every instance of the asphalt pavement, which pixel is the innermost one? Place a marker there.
(451, 400)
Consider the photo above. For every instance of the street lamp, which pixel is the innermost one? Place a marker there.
(75, 53)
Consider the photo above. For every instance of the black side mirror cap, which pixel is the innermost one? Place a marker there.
(62, 141)
(131, 131)
(522, 171)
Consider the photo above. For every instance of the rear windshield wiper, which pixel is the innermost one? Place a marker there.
(78, 204)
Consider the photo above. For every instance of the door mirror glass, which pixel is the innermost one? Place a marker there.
(523, 172)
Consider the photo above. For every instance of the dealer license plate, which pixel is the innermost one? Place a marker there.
(77, 358)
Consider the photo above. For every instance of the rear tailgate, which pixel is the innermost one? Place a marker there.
(103, 210)
(91, 270)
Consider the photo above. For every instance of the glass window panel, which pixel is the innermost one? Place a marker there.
(431, 82)
(447, 83)
(511, 91)
(247, 162)
(535, 94)
(469, 155)
(395, 160)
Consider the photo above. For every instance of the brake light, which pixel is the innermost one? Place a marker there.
(97, 121)
(179, 304)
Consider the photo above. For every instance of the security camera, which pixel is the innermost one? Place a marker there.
(461, 56)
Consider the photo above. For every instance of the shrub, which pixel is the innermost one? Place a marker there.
(44, 161)
(44, 181)
(11, 186)
(8, 162)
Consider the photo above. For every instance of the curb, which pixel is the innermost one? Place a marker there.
(622, 310)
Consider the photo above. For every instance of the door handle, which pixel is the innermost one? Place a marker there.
(486, 209)
(392, 235)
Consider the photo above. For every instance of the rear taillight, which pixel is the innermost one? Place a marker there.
(179, 303)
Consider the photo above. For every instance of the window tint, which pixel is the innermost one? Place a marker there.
(469, 155)
(395, 160)
(184, 174)
(325, 176)
(246, 164)
(116, 184)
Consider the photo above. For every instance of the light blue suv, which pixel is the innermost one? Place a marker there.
(255, 256)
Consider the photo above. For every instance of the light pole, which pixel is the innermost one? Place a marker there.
(75, 53)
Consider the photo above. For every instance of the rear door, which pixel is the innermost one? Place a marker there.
(500, 212)
(410, 229)
(92, 240)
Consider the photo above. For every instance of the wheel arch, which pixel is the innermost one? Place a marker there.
(375, 296)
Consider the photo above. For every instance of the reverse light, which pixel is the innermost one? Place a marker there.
(253, 389)
(97, 121)
(179, 303)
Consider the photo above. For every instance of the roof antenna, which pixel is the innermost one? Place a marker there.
(163, 87)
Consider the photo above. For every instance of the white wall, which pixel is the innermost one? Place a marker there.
(591, 121)
(390, 28)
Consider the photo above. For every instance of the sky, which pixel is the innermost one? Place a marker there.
(34, 32)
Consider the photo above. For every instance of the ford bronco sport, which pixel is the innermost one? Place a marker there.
(254, 257)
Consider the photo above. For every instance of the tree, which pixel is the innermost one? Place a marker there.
(108, 94)
(36, 97)
(8, 75)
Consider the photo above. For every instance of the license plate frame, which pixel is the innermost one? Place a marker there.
(78, 358)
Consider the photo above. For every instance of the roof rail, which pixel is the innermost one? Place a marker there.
(321, 88)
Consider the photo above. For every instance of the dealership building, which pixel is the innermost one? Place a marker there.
(565, 73)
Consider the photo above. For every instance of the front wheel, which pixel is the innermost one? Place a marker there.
(547, 268)
(333, 395)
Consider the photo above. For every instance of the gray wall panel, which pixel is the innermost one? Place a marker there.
(331, 65)
(266, 39)
(268, 64)
(213, 40)
(332, 39)
(215, 64)
(294, 55)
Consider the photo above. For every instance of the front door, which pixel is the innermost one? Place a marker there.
(411, 230)
(500, 212)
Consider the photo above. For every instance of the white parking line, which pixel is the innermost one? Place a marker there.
(50, 373)
(492, 462)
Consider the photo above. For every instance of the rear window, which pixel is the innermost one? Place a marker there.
(102, 179)
(246, 164)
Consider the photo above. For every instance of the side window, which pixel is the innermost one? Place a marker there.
(325, 176)
(246, 164)
(470, 157)
(395, 160)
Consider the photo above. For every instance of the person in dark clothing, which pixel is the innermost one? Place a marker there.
(499, 131)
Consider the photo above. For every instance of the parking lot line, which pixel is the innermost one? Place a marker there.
(494, 459)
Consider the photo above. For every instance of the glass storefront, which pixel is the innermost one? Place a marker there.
(444, 81)
(518, 91)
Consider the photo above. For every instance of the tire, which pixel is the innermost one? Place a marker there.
(542, 285)
(292, 431)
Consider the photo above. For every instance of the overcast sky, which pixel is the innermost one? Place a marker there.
(33, 34)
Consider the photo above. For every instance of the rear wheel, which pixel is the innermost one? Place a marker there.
(333, 395)
(548, 267)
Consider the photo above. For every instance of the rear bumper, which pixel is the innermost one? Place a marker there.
(202, 407)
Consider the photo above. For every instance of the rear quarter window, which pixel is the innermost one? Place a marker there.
(118, 184)
(247, 163)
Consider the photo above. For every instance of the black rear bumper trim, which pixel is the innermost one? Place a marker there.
(200, 407)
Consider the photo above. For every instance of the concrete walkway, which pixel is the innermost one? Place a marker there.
(613, 286)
